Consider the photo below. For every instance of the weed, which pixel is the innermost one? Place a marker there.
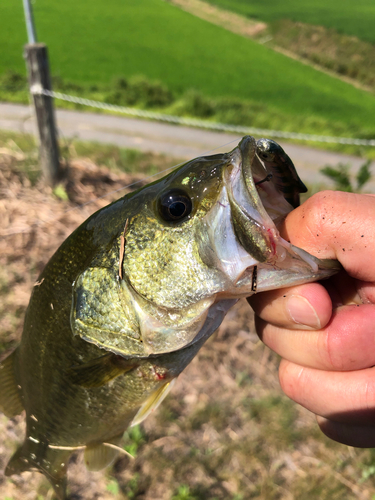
(139, 90)
(183, 493)
(132, 486)
(135, 438)
(344, 180)
(195, 104)
(60, 192)
(126, 160)
(13, 81)
(368, 467)
(113, 487)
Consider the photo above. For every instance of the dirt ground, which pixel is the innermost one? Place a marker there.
(225, 431)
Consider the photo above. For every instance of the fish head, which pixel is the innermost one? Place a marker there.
(189, 246)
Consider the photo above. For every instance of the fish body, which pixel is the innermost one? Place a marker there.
(130, 297)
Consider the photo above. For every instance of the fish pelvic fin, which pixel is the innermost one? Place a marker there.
(99, 456)
(10, 394)
(53, 464)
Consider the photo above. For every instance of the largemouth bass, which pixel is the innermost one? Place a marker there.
(131, 296)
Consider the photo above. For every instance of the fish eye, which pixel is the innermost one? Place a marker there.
(174, 205)
(265, 156)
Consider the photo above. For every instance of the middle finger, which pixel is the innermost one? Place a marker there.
(347, 397)
(346, 343)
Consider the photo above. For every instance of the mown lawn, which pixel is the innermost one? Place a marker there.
(347, 17)
(93, 42)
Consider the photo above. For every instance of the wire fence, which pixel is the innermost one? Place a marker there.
(205, 124)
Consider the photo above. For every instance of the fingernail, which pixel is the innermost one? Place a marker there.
(302, 312)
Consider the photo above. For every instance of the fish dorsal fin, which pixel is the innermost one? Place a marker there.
(10, 399)
(152, 402)
(102, 370)
(99, 456)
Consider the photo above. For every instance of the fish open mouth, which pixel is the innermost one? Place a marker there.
(257, 205)
(244, 228)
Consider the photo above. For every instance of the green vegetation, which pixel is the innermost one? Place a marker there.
(343, 15)
(131, 161)
(345, 55)
(277, 415)
(132, 488)
(183, 493)
(119, 159)
(113, 487)
(95, 44)
(344, 180)
(135, 437)
(142, 93)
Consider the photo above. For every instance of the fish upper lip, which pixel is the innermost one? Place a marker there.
(242, 179)
(253, 186)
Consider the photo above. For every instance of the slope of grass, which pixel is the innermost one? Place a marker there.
(345, 16)
(348, 56)
(93, 42)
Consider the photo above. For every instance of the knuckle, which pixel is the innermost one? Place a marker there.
(291, 379)
(368, 394)
(260, 326)
(316, 209)
(321, 208)
(318, 219)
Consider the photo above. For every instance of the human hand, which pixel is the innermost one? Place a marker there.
(325, 333)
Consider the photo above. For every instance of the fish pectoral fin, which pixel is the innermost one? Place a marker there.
(99, 456)
(100, 371)
(10, 398)
(152, 402)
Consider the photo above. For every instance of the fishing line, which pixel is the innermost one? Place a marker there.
(40, 223)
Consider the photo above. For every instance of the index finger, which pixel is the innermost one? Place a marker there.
(336, 225)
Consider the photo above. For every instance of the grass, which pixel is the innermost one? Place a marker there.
(91, 43)
(345, 181)
(342, 15)
(142, 93)
(131, 161)
(345, 55)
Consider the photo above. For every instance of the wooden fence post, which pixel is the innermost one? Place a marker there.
(39, 78)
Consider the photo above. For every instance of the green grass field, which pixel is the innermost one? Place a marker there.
(345, 16)
(92, 42)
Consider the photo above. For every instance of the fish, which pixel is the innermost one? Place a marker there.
(282, 167)
(130, 297)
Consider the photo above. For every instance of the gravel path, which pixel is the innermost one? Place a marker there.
(179, 141)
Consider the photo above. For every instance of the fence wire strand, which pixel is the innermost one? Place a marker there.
(192, 122)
